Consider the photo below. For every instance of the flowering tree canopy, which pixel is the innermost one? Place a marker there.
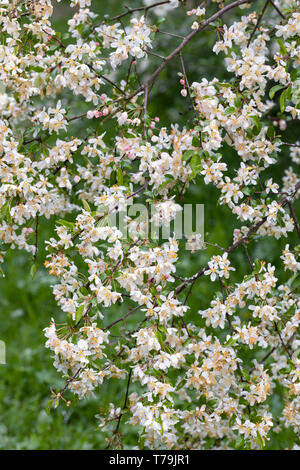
(79, 143)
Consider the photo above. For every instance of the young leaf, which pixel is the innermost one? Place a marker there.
(274, 90)
(49, 406)
(79, 313)
(33, 271)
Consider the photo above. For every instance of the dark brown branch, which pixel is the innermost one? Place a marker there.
(175, 52)
(59, 395)
(249, 260)
(282, 342)
(258, 21)
(133, 10)
(190, 36)
(125, 402)
(122, 318)
(294, 217)
(235, 245)
(170, 34)
(278, 10)
(35, 139)
(290, 145)
(185, 41)
(145, 108)
(36, 238)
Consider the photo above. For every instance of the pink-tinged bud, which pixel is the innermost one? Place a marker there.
(97, 43)
(154, 138)
(28, 230)
(183, 92)
(105, 112)
(159, 288)
(77, 179)
(182, 82)
(102, 97)
(127, 148)
(275, 123)
(90, 114)
(282, 125)
(156, 119)
(99, 114)
(134, 62)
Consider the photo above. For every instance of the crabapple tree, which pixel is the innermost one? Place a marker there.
(79, 143)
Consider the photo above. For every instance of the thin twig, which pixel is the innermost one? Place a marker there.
(291, 207)
(125, 403)
(122, 318)
(278, 10)
(145, 108)
(258, 21)
(133, 10)
(283, 202)
(282, 342)
(36, 238)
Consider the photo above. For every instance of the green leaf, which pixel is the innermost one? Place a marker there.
(36, 68)
(120, 177)
(113, 178)
(196, 162)
(237, 102)
(160, 338)
(181, 384)
(257, 266)
(283, 99)
(187, 155)
(274, 90)
(294, 74)
(282, 47)
(79, 313)
(159, 420)
(33, 271)
(259, 440)
(65, 223)
(239, 442)
(256, 121)
(48, 406)
(229, 110)
(84, 291)
(86, 205)
(246, 375)
(271, 132)
(230, 342)
(232, 420)
(56, 403)
(196, 142)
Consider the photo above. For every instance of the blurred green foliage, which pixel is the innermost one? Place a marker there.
(28, 305)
